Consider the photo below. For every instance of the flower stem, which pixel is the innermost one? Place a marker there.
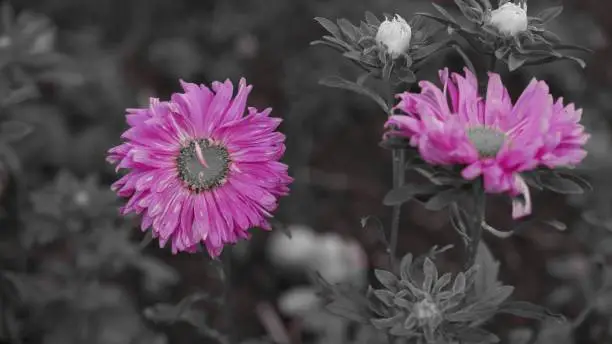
(228, 310)
(399, 161)
(475, 226)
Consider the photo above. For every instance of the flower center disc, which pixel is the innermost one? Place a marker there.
(487, 141)
(199, 176)
(426, 309)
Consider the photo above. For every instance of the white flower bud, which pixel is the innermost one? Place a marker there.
(395, 34)
(339, 260)
(296, 251)
(510, 18)
(299, 301)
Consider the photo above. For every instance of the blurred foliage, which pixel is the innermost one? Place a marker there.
(73, 271)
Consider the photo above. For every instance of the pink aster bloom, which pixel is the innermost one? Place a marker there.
(199, 170)
(491, 137)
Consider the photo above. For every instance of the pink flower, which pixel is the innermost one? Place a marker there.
(490, 137)
(199, 170)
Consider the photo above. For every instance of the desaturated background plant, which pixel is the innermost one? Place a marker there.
(75, 271)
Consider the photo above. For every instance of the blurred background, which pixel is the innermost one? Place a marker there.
(74, 271)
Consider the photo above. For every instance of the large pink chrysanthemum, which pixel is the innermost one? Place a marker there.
(199, 170)
(490, 137)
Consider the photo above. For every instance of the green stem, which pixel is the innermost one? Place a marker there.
(475, 226)
(399, 162)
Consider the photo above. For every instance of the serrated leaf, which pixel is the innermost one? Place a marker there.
(443, 198)
(406, 192)
(550, 13)
(329, 26)
(11, 131)
(486, 276)
(529, 310)
(338, 82)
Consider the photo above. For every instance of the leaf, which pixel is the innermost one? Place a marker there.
(486, 276)
(168, 313)
(459, 284)
(444, 12)
(428, 50)
(563, 183)
(406, 75)
(348, 29)
(388, 322)
(374, 224)
(387, 69)
(444, 21)
(550, 13)
(442, 282)
(443, 198)
(338, 82)
(385, 296)
(572, 47)
(405, 265)
(431, 274)
(529, 310)
(515, 62)
(387, 279)
(372, 19)
(406, 192)
(11, 131)
(329, 26)
(344, 308)
(476, 335)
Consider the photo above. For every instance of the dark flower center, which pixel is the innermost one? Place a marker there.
(488, 141)
(203, 165)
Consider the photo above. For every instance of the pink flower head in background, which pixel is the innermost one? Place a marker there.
(491, 137)
(199, 169)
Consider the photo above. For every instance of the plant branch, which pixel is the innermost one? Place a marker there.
(475, 226)
(228, 309)
(399, 161)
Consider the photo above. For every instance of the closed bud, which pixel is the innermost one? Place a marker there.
(395, 34)
(510, 18)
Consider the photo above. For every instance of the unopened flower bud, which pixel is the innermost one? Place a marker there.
(295, 251)
(395, 34)
(510, 18)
